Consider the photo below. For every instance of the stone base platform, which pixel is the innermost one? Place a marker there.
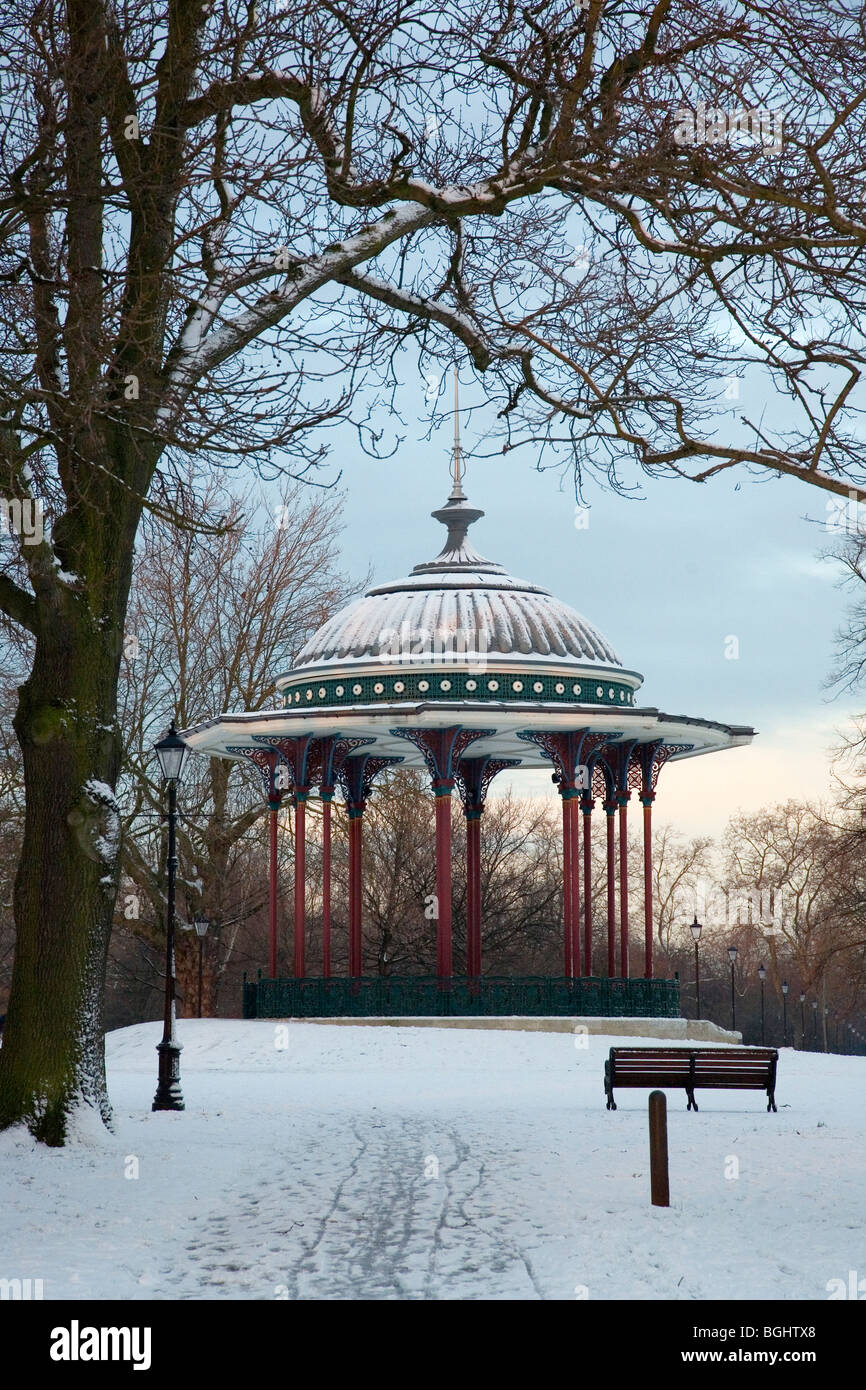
(683, 1030)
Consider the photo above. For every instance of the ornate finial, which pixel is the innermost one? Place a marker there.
(457, 514)
(457, 466)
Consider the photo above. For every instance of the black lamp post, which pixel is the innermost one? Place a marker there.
(201, 925)
(696, 928)
(732, 953)
(762, 975)
(803, 1019)
(784, 1013)
(815, 1021)
(171, 751)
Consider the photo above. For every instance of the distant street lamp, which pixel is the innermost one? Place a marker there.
(172, 753)
(732, 954)
(803, 1020)
(762, 975)
(201, 925)
(696, 928)
(815, 1021)
(784, 1013)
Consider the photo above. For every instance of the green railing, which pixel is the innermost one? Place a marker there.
(414, 996)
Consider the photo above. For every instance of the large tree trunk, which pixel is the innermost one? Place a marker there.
(52, 1056)
(53, 1060)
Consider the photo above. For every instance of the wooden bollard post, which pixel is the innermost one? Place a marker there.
(658, 1137)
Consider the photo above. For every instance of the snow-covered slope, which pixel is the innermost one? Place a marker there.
(351, 1162)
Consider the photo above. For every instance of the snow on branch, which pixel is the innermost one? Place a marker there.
(202, 347)
(468, 330)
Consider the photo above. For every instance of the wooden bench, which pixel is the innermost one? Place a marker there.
(693, 1069)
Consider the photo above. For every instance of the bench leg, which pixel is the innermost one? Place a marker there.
(693, 1104)
(611, 1103)
(771, 1101)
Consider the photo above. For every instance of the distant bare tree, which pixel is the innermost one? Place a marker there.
(209, 627)
(813, 869)
(680, 867)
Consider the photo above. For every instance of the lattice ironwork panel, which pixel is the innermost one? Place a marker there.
(490, 996)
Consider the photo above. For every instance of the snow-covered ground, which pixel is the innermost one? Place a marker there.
(359, 1162)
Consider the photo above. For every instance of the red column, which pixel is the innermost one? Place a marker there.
(623, 885)
(609, 812)
(273, 808)
(586, 807)
(355, 844)
(566, 885)
(443, 880)
(473, 894)
(574, 815)
(300, 882)
(326, 885)
(648, 885)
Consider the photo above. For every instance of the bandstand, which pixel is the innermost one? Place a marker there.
(465, 671)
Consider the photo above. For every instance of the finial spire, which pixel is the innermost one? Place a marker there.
(458, 516)
(457, 466)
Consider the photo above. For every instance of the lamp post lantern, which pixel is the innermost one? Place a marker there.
(732, 955)
(784, 1013)
(696, 928)
(172, 752)
(201, 925)
(762, 975)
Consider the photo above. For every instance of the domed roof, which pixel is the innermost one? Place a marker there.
(458, 610)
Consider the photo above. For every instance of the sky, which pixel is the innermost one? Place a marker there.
(715, 592)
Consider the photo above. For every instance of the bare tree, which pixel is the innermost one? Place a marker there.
(209, 627)
(680, 868)
(219, 217)
(816, 922)
(520, 881)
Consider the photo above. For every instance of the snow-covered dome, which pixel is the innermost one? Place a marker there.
(458, 618)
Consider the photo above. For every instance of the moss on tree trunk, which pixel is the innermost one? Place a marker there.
(53, 1054)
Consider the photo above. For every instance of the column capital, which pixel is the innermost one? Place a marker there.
(569, 751)
(327, 756)
(473, 777)
(295, 753)
(617, 766)
(649, 759)
(441, 750)
(357, 775)
(266, 760)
